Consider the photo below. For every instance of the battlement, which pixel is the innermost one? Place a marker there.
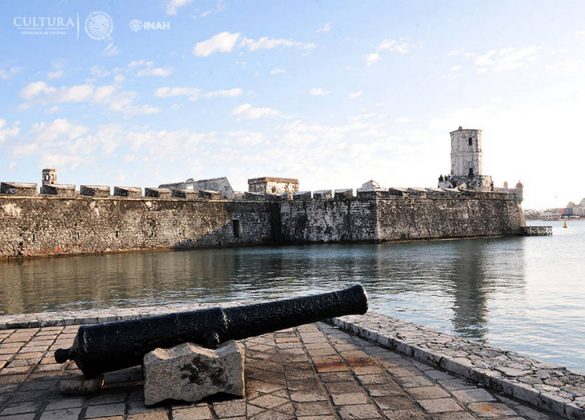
(346, 194)
(19, 189)
(22, 189)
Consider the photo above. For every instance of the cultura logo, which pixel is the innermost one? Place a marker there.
(46, 25)
(99, 25)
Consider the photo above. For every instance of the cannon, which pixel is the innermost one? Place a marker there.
(117, 345)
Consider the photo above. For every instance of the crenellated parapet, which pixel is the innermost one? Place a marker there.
(394, 193)
(23, 189)
(94, 190)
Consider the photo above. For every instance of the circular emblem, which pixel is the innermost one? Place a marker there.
(99, 25)
(135, 25)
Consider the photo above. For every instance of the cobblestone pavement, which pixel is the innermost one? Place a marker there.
(545, 385)
(312, 372)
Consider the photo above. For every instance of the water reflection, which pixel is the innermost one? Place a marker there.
(494, 290)
(450, 280)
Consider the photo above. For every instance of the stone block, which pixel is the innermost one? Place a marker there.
(130, 192)
(18, 188)
(210, 195)
(343, 193)
(187, 194)
(417, 192)
(61, 190)
(157, 192)
(399, 192)
(302, 195)
(254, 196)
(322, 194)
(190, 373)
(95, 190)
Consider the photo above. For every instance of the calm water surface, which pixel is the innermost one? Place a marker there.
(526, 294)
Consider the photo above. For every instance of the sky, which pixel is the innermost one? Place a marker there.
(334, 93)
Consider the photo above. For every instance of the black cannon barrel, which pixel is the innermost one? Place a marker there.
(117, 345)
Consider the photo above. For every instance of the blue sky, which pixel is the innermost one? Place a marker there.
(334, 93)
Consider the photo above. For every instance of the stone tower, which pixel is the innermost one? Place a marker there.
(466, 153)
(49, 176)
(466, 162)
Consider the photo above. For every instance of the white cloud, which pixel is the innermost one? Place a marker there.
(194, 93)
(224, 93)
(266, 43)
(168, 92)
(372, 58)
(155, 71)
(218, 8)
(55, 74)
(97, 71)
(456, 52)
(61, 128)
(9, 72)
(109, 95)
(356, 94)
(276, 71)
(506, 59)
(64, 144)
(319, 92)
(110, 50)
(400, 46)
(454, 72)
(174, 5)
(58, 70)
(147, 68)
(325, 28)
(402, 120)
(223, 42)
(249, 112)
(6, 131)
(227, 42)
(42, 91)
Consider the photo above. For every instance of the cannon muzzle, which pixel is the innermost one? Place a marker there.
(117, 345)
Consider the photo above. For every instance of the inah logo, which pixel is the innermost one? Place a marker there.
(99, 25)
(138, 25)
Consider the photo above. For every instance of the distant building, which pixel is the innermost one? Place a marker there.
(273, 185)
(221, 185)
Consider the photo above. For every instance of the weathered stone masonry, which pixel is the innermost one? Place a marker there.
(379, 216)
(52, 225)
(34, 226)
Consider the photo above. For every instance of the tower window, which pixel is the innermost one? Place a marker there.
(470, 141)
(470, 172)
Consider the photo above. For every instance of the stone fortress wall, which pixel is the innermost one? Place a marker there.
(45, 225)
(395, 214)
(63, 223)
(62, 220)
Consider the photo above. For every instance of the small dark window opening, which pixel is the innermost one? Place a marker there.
(470, 171)
(117, 233)
(470, 141)
(236, 228)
